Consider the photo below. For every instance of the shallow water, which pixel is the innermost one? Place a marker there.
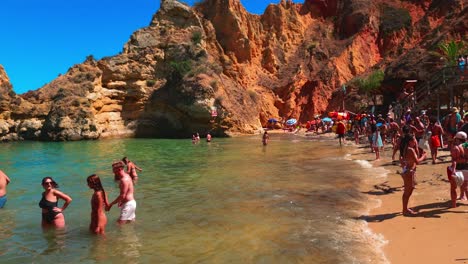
(228, 201)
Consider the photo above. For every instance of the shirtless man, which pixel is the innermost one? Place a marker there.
(459, 163)
(125, 200)
(394, 130)
(434, 142)
(4, 181)
(131, 169)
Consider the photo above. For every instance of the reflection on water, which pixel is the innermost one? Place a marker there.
(230, 201)
(55, 240)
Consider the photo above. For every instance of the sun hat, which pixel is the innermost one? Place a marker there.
(460, 135)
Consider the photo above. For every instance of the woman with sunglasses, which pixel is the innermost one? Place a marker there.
(52, 215)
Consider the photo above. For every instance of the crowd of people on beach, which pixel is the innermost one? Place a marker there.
(52, 213)
(413, 137)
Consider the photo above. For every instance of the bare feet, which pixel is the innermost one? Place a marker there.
(409, 212)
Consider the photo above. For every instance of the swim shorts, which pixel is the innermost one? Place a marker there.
(127, 211)
(3, 200)
(435, 141)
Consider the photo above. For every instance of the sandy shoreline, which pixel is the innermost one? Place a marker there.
(437, 234)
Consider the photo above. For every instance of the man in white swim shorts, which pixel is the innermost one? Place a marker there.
(125, 200)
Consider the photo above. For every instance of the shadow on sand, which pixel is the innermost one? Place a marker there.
(432, 210)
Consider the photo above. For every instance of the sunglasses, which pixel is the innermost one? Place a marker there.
(47, 183)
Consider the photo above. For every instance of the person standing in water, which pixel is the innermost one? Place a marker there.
(208, 137)
(4, 181)
(265, 138)
(125, 200)
(98, 205)
(52, 215)
(340, 131)
(131, 169)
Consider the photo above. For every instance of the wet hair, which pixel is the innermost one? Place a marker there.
(406, 139)
(54, 184)
(125, 160)
(95, 183)
(373, 127)
(406, 129)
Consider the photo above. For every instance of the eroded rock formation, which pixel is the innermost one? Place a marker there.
(285, 63)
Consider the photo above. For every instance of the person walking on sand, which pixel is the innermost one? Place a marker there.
(409, 160)
(265, 138)
(459, 154)
(98, 205)
(434, 141)
(376, 140)
(341, 130)
(4, 181)
(131, 169)
(52, 215)
(394, 131)
(125, 200)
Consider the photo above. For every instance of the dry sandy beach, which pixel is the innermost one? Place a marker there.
(438, 234)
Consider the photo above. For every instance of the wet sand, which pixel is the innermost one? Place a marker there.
(438, 233)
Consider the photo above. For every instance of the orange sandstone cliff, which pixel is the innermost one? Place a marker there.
(287, 63)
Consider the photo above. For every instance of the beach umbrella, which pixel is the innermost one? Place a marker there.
(326, 119)
(272, 120)
(291, 122)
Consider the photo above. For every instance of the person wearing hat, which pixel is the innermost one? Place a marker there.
(459, 154)
(424, 118)
(451, 124)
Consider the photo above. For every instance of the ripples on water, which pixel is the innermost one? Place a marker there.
(229, 201)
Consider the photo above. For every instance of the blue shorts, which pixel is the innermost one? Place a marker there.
(3, 200)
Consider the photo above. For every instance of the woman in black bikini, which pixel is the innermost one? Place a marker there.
(52, 215)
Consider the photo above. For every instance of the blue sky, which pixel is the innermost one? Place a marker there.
(42, 39)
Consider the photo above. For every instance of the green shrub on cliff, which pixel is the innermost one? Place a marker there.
(181, 68)
(450, 50)
(372, 83)
(196, 37)
(394, 19)
(150, 83)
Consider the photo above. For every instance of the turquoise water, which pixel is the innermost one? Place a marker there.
(228, 201)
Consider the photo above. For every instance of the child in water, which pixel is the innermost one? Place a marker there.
(98, 205)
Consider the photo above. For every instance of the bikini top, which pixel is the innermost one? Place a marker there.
(45, 204)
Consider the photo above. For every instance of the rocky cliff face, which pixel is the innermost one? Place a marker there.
(285, 63)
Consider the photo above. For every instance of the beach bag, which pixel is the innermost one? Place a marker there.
(424, 144)
(459, 179)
